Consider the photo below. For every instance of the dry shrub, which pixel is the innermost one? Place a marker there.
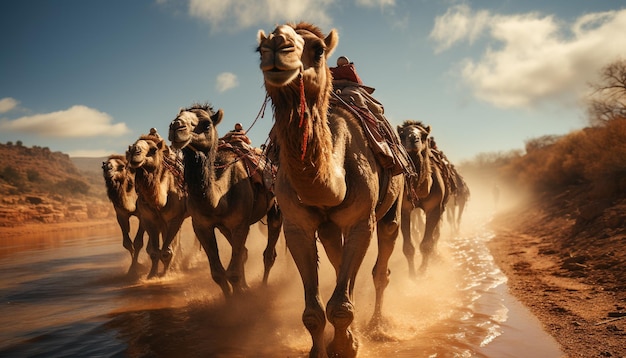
(594, 155)
(605, 150)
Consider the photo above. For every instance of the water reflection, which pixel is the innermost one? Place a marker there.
(70, 295)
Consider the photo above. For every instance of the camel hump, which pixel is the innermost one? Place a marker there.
(382, 138)
(259, 168)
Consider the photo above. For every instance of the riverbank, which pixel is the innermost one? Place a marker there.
(37, 228)
(571, 282)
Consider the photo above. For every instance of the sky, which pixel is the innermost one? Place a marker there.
(87, 78)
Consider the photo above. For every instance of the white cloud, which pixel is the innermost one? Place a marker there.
(374, 3)
(231, 15)
(75, 122)
(8, 104)
(538, 58)
(458, 24)
(226, 81)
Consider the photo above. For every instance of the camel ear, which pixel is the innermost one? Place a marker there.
(261, 36)
(217, 117)
(427, 129)
(331, 42)
(161, 144)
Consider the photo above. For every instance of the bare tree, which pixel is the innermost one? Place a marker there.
(608, 99)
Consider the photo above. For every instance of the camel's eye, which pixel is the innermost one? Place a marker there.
(205, 126)
(319, 52)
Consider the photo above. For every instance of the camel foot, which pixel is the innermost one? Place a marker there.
(343, 346)
(378, 328)
(314, 321)
(133, 271)
(153, 273)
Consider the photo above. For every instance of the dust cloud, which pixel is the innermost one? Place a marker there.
(73, 294)
(185, 312)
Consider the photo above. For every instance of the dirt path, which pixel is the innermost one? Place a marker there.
(571, 289)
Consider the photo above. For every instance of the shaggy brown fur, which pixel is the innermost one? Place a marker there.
(431, 191)
(329, 183)
(459, 196)
(222, 195)
(120, 184)
(162, 202)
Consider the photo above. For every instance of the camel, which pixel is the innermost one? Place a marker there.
(430, 189)
(459, 196)
(223, 195)
(120, 184)
(329, 183)
(161, 196)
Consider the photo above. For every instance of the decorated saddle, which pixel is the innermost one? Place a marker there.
(383, 139)
(259, 168)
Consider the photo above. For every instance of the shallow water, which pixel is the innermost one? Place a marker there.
(68, 295)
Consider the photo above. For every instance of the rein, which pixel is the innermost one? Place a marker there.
(174, 167)
(302, 113)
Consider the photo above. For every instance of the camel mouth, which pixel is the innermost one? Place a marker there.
(177, 127)
(178, 143)
(135, 163)
(278, 78)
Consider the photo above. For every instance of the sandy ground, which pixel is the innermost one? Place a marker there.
(579, 301)
(575, 287)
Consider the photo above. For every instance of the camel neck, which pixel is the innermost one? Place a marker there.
(315, 173)
(121, 193)
(201, 177)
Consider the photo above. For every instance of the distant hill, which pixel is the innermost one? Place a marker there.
(37, 184)
(84, 164)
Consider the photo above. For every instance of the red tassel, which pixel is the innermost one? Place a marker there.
(305, 137)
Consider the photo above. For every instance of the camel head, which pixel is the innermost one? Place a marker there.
(115, 168)
(147, 152)
(195, 126)
(292, 50)
(414, 136)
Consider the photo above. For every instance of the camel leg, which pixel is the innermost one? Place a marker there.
(236, 267)
(166, 251)
(153, 249)
(302, 247)
(460, 214)
(123, 221)
(137, 246)
(451, 214)
(387, 233)
(431, 234)
(331, 238)
(274, 225)
(408, 245)
(340, 309)
(206, 236)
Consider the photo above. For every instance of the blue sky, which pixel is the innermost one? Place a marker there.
(88, 77)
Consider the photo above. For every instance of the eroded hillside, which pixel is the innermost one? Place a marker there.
(38, 185)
